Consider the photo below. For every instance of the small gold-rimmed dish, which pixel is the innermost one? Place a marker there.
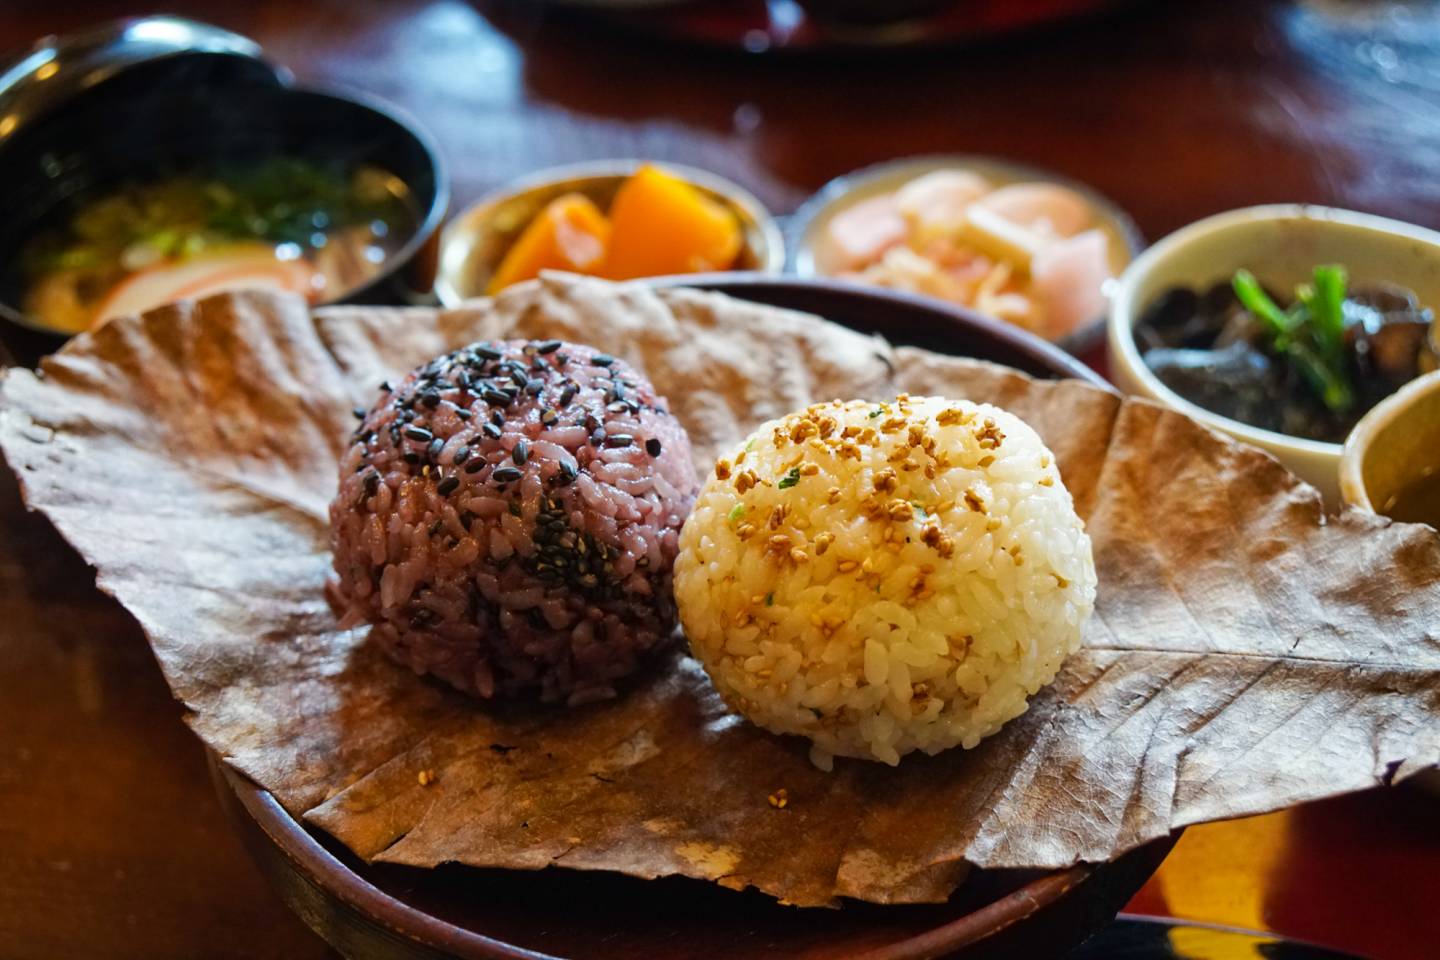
(474, 243)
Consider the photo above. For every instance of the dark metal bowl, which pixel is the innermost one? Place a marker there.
(137, 98)
(380, 910)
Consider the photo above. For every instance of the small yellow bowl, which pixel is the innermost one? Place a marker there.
(1393, 446)
(473, 244)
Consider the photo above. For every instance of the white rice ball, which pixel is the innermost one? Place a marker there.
(883, 578)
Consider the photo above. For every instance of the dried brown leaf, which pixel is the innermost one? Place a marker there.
(1246, 653)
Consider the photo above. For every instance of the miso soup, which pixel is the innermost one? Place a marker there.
(319, 230)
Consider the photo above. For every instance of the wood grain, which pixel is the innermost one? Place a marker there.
(1175, 110)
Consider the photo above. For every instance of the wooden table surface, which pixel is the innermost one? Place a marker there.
(111, 844)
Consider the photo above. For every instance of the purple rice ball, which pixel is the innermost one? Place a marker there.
(508, 518)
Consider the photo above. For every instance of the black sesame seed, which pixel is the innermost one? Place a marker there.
(419, 434)
(463, 414)
(602, 360)
(561, 359)
(619, 440)
(491, 431)
(652, 447)
(518, 376)
(488, 353)
(436, 527)
(475, 465)
(359, 413)
(385, 386)
(533, 387)
(619, 406)
(515, 508)
(591, 423)
(568, 473)
(372, 483)
(448, 486)
(521, 453)
(568, 394)
(467, 517)
(433, 451)
(461, 455)
(548, 346)
(548, 417)
(494, 396)
(505, 474)
(411, 458)
(497, 418)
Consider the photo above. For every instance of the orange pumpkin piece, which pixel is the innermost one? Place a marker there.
(659, 224)
(569, 234)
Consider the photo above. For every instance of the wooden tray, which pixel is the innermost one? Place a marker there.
(385, 911)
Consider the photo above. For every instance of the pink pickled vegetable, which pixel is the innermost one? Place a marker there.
(1043, 207)
(938, 200)
(1068, 278)
(862, 233)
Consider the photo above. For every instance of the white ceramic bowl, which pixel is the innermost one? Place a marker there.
(1280, 244)
(806, 230)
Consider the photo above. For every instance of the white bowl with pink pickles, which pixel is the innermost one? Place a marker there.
(1020, 244)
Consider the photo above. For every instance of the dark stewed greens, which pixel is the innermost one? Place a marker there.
(1309, 369)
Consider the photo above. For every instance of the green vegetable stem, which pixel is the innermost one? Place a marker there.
(1311, 334)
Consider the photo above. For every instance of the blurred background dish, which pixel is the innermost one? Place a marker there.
(1010, 241)
(828, 26)
(1281, 245)
(159, 158)
(666, 217)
